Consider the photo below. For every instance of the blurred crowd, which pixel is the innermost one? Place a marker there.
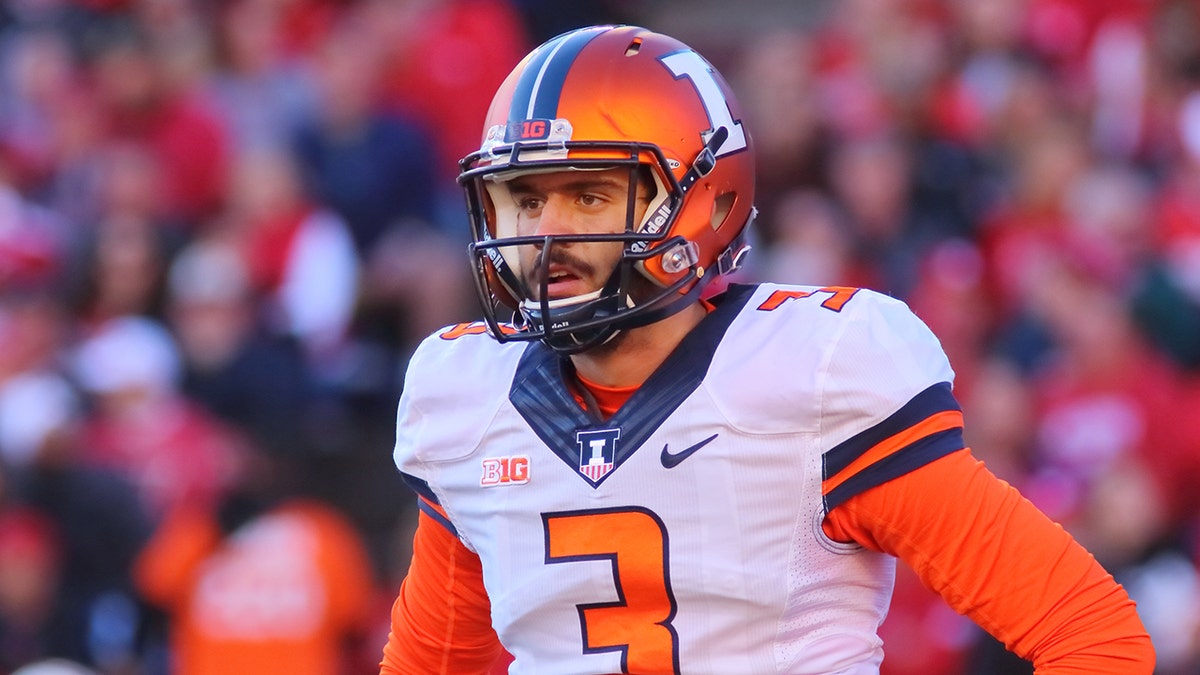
(225, 224)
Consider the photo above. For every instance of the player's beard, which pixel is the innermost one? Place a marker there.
(640, 287)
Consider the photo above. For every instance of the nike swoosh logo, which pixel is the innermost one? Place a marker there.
(671, 460)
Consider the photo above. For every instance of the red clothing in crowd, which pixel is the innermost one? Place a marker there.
(174, 454)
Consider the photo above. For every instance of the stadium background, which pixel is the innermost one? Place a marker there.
(224, 225)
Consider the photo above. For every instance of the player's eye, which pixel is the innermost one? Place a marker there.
(529, 203)
(588, 199)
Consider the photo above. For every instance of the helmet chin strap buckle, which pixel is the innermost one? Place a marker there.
(733, 256)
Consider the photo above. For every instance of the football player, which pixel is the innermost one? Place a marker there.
(628, 468)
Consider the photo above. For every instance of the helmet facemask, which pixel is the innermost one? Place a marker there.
(518, 291)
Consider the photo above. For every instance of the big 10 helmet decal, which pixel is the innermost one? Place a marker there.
(608, 97)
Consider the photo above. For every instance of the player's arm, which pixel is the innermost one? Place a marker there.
(441, 620)
(165, 568)
(997, 559)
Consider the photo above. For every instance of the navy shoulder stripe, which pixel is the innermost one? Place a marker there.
(915, 456)
(426, 501)
(419, 486)
(432, 512)
(937, 398)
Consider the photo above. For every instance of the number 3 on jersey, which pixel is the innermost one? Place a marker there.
(638, 625)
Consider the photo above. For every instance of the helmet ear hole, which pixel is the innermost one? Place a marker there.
(722, 205)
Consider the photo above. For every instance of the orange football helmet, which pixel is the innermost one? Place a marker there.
(607, 97)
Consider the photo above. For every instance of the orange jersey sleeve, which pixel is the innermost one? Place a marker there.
(165, 569)
(994, 557)
(441, 620)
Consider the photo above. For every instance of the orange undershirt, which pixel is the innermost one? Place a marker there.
(608, 399)
(969, 536)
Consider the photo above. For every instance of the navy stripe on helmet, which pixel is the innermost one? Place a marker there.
(540, 86)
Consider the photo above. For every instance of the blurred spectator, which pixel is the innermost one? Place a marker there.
(33, 406)
(118, 261)
(1110, 224)
(249, 378)
(91, 527)
(29, 559)
(775, 80)
(270, 582)
(1028, 230)
(370, 165)
(1167, 303)
(879, 62)
(33, 240)
(299, 254)
(180, 129)
(1167, 590)
(950, 296)
(432, 65)
(869, 177)
(444, 59)
(180, 37)
(37, 79)
(261, 88)
(1064, 32)
(1109, 462)
(132, 187)
(141, 425)
(414, 284)
(118, 270)
(1117, 61)
(284, 400)
(34, 328)
(811, 243)
(1105, 405)
(1000, 408)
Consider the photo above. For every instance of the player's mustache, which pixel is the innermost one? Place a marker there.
(558, 257)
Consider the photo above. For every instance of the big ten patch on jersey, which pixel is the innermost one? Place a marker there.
(512, 470)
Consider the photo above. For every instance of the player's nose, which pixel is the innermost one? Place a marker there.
(556, 216)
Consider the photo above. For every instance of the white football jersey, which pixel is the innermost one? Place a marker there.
(683, 534)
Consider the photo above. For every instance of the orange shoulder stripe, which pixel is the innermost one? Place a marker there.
(925, 428)
(948, 419)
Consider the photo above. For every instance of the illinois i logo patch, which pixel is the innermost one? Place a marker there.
(597, 451)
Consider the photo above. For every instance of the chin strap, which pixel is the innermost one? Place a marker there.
(705, 161)
(545, 316)
(735, 254)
